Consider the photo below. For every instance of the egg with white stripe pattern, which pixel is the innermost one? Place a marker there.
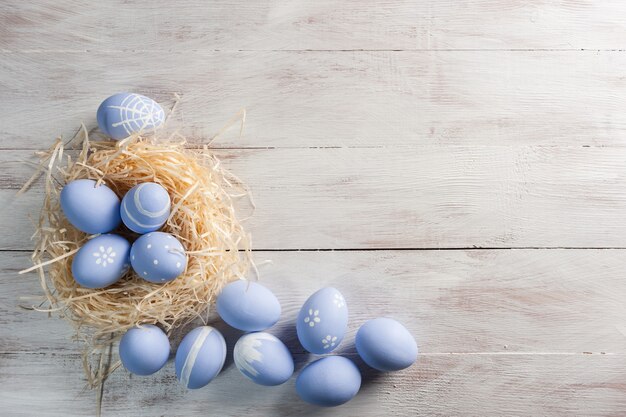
(322, 321)
(145, 207)
(123, 114)
(263, 358)
(101, 262)
(158, 257)
(200, 357)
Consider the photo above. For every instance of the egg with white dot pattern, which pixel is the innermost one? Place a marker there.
(101, 261)
(145, 207)
(322, 321)
(123, 114)
(158, 257)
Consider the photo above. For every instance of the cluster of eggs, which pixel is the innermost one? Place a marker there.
(95, 209)
(383, 344)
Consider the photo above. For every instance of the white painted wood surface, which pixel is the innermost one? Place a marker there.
(425, 128)
(332, 98)
(525, 332)
(407, 197)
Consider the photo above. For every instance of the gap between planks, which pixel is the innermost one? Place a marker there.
(160, 51)
(391, 249)
(70, 354)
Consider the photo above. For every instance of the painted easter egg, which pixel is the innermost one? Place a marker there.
(386, 345)
(328, 382)
(123, 114)
(158, 257)
(144, 349)
(248, 306)
(263, 358)
(90, 208)
(145, 207)
(322, 321)
(101, 261)
(200, 357)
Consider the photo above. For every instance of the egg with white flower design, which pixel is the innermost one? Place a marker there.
(322, 321)
(123, 114)
(158, 257)
(90, 207)
(101, 261)
(386, 345)
(263, 358)
(329, 382)
(200, 357)
(145, 207)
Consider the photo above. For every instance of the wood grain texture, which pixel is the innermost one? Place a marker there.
(397, 125)
(523, 332)
(443, 385)
(474, 301)
(146, 25)
(331, 98)
(416, 197)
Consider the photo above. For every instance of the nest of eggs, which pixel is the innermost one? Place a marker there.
(202, 218)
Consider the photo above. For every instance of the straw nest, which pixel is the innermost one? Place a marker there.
(202, 218)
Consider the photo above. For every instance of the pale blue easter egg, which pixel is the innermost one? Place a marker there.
(263, 358)
(200, 357)
(101, 261)
(123, 114)
(329, 382)
(144, 349)
(386, 345)
(248, 306)
(145, 207)
(90, 208)
(158, 257)
(322, 321)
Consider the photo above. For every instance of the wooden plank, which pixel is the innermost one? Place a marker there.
(417, 197)
(330, 99)
(475, 301)
(392, 24)
(446, 385)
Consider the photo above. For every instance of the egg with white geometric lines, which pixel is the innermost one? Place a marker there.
(158, 257)
(263, 358)
(145, 207)
(123, 114)
(322, 321)
(101, 261)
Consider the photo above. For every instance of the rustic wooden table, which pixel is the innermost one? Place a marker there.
(458, 165)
